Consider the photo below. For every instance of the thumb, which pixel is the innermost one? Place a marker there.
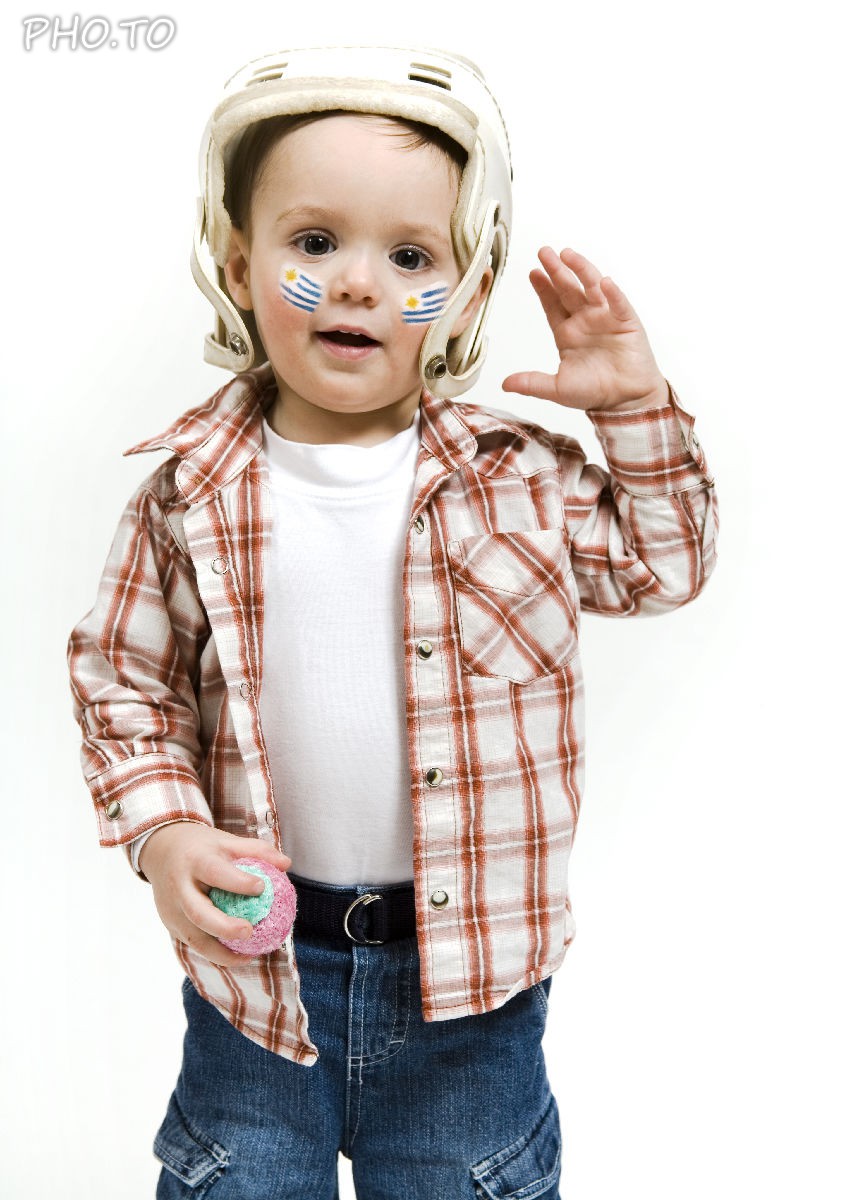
(532, 383)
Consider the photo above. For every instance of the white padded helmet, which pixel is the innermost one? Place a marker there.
(430, 86)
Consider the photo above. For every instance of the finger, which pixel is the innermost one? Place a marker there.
(586, 272)
(223, 873)
(554, 309)
(573, 291)
(532, 383)
(619, 305)
(211, 948)
(567, 287)
(253, 847)
(203, 916)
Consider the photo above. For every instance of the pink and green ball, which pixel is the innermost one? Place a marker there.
(271, 913)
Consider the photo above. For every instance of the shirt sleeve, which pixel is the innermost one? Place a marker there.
(642, 533)
(133, 662)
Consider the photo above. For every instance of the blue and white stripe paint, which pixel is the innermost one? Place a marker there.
(299, 289)
(426, 305)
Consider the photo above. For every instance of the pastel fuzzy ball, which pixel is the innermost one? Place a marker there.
(271, 913)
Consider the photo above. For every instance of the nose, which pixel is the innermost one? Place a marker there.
(355, 278)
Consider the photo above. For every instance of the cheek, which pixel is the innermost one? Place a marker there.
(297, 289)
(420, 306)
(281, 310)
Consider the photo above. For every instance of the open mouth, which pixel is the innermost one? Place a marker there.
(342, 337)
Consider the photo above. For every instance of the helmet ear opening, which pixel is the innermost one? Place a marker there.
(449, 366)
(469, 346)
(255, 349)
(234, 341)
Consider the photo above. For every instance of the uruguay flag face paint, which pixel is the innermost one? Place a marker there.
(423, 306)
(299, 289)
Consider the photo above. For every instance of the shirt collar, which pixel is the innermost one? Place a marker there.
(216, 440)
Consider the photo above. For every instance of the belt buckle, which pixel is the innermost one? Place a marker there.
(367, 898)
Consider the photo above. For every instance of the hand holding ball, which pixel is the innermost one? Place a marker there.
(271, 913)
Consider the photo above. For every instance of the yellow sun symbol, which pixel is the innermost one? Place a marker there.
(411, 302)
(291, 275)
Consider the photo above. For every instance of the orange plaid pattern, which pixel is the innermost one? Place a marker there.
(512, 533)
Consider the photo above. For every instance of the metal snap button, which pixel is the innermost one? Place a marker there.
(220, 565)
(424, 648)
(434, 776)
(419, 524)
(439, 899)
(436, 367)
(114, 809)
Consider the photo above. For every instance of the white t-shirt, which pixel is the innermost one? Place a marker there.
(332, 701)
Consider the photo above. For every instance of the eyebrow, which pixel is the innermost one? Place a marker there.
(328, 216)
(304, 210)
(429, 231)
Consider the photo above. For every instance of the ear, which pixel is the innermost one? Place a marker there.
(237, 269)
(474, 303)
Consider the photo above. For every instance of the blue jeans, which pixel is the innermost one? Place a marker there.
(443, 1110)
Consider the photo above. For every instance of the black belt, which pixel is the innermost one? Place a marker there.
(368, 918)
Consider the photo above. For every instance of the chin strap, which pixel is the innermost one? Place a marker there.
(448, 371)
(229, 345)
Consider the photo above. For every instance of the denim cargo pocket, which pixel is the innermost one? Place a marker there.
(516, 601)
(528, 1168)
(196, 1160)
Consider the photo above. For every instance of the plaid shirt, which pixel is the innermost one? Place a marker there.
(511, 533)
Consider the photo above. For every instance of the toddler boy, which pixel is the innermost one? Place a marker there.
(338, 632)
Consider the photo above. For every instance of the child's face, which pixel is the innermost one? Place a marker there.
(348, 230)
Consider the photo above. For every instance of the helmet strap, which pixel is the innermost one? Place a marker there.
(441, 377)
(229, 345)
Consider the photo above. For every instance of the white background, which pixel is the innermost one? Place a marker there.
(698, 1037)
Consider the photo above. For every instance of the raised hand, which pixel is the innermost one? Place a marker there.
(605, 359)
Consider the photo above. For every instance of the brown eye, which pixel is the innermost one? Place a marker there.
(409, 258)
(316, 243)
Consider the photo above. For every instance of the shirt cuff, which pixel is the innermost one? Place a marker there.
(652, 451)
(145, 791)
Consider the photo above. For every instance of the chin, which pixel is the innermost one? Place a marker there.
(347, 400)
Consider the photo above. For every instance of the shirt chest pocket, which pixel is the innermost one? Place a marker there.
(516, 601)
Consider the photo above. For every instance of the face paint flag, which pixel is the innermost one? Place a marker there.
(419, 307)
(299, 289)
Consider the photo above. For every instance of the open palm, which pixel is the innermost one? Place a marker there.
(605, 359)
